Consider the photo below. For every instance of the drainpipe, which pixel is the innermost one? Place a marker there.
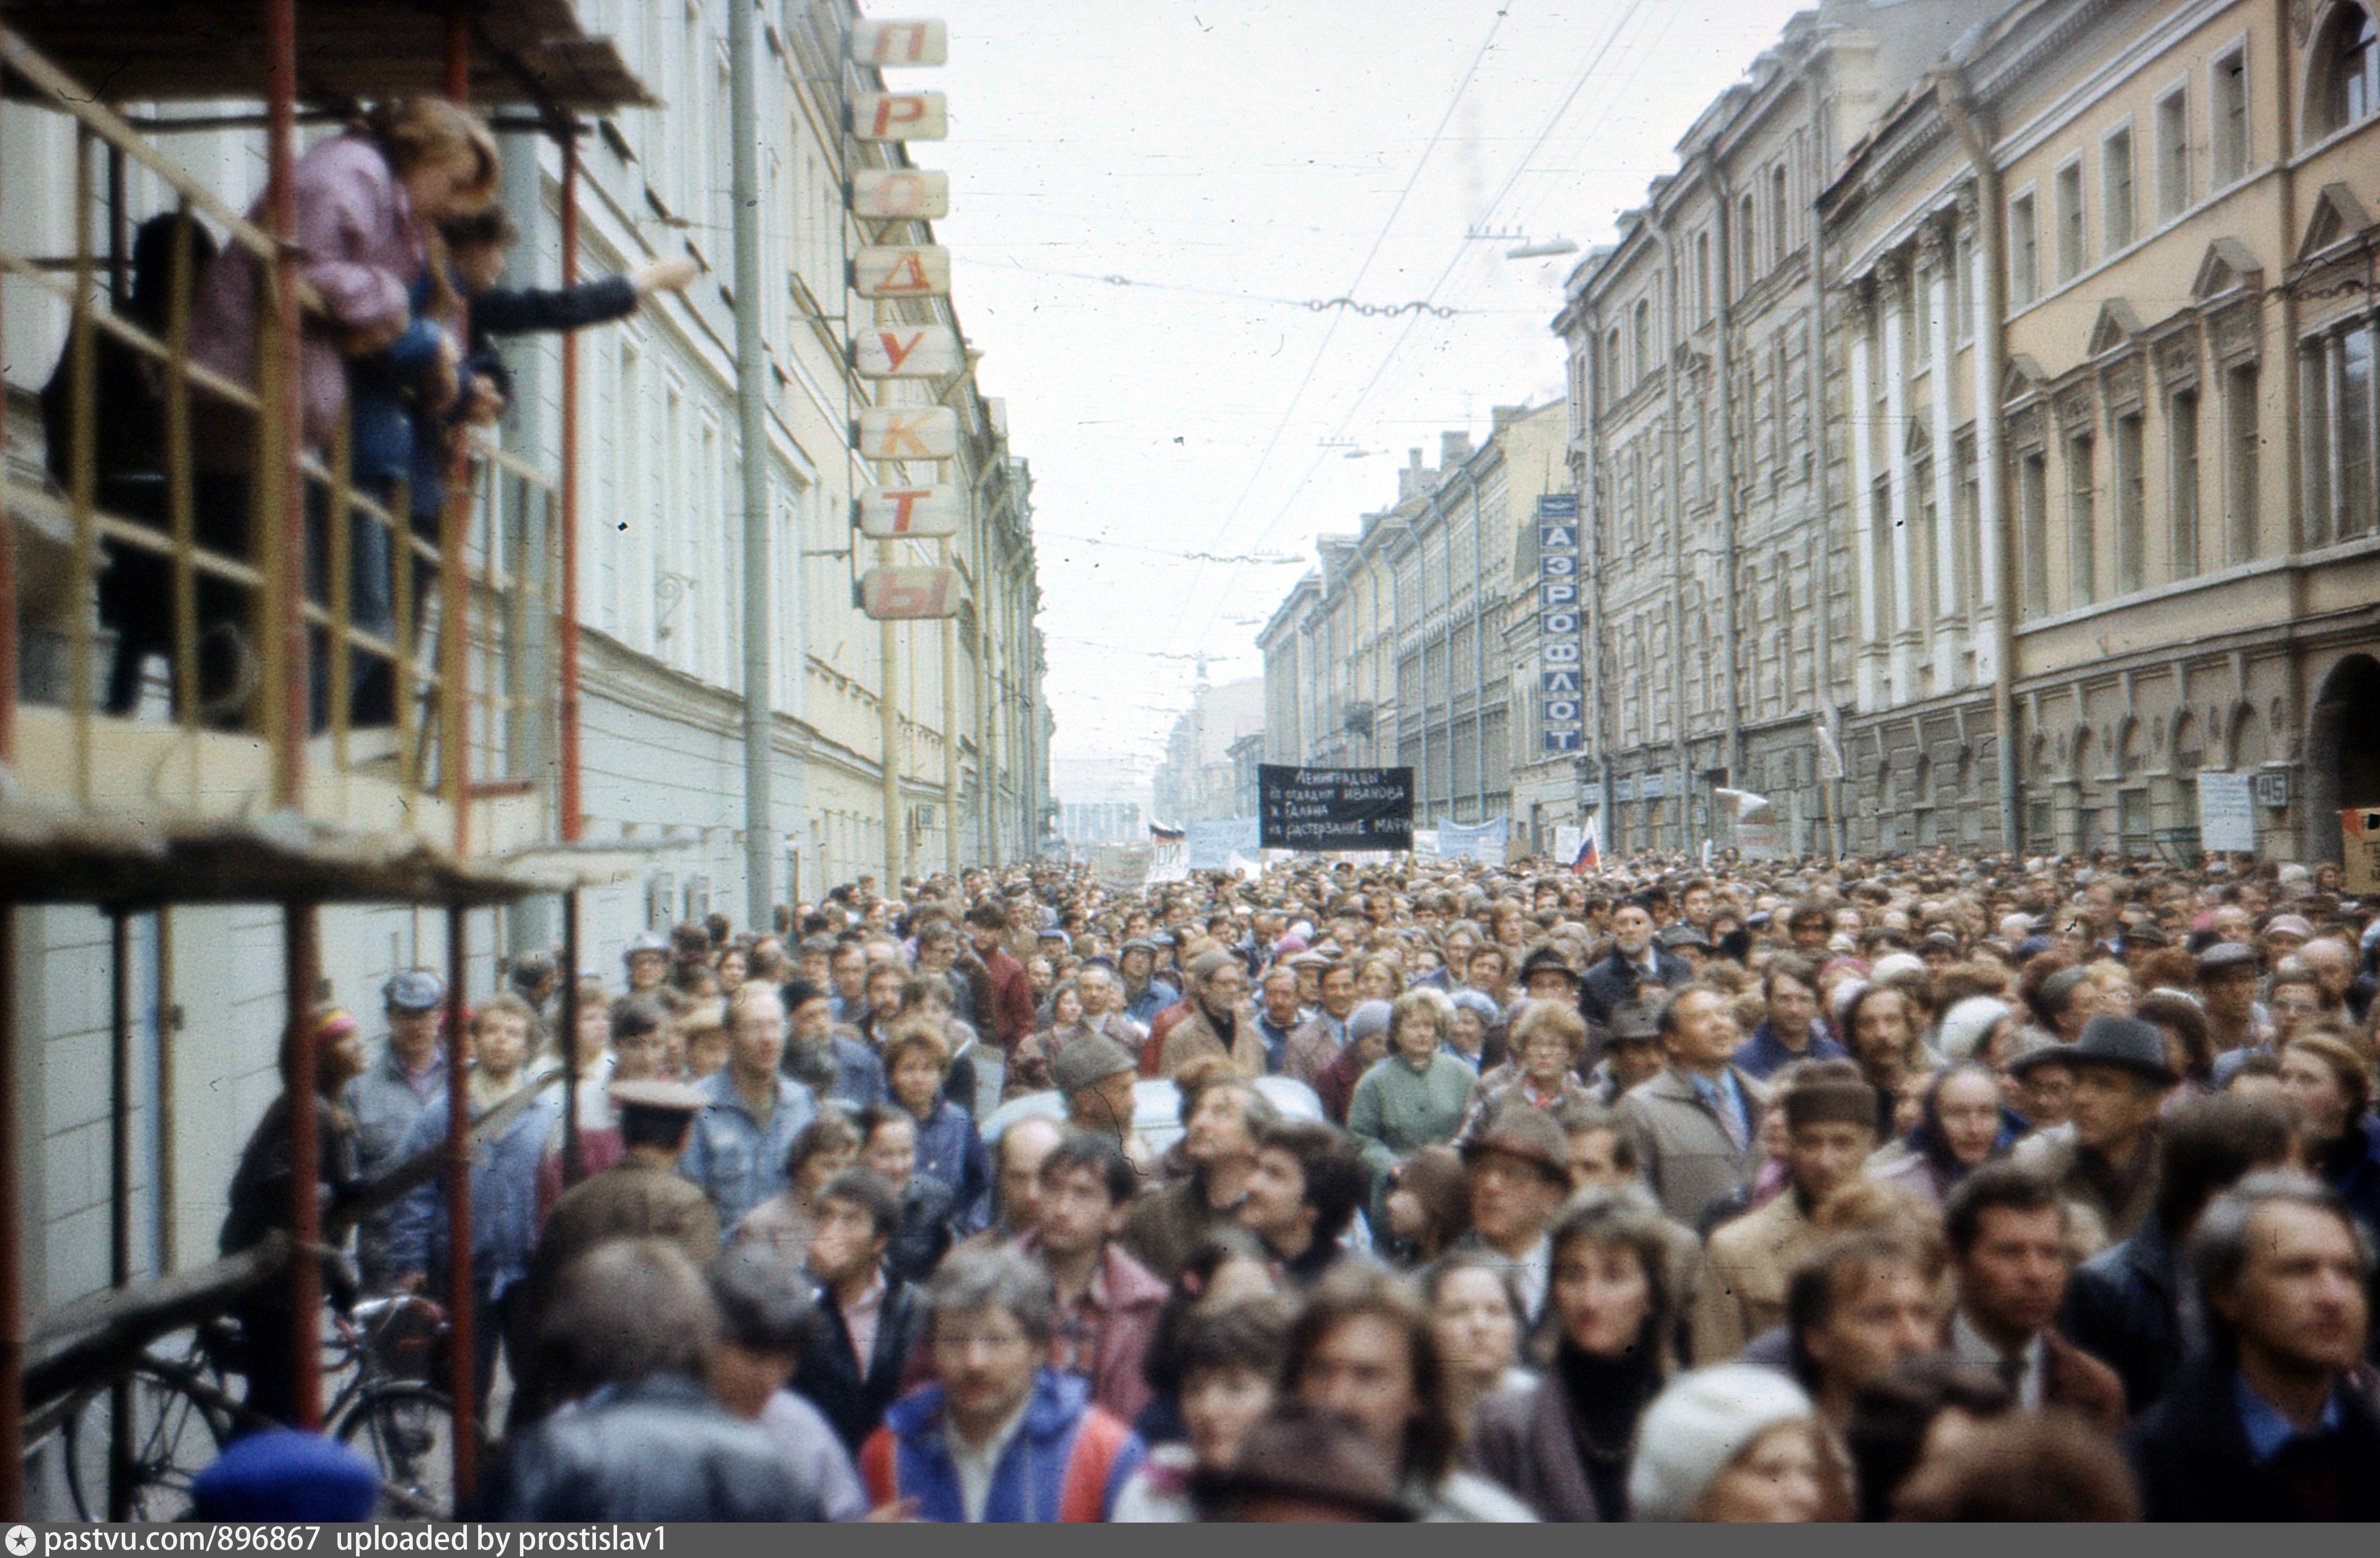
(1814, 365)
(1951, 91)
(752, 437)
(1667, 324)
(1723, 370)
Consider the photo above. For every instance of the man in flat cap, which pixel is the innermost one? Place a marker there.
(1094, 1079)
(407, 1075)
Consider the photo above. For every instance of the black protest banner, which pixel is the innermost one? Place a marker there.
(1318, 809)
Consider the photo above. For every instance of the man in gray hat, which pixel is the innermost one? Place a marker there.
(2109, 1164)
(1094, 1078)
(406, 1076)
(1518, 1176)
(641, 1196)
(2228, 975)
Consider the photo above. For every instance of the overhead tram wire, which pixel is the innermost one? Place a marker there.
(1429, 149)
(1396, 348)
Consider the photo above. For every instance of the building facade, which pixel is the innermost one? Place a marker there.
(1396, 651)
(1199, 777)
(1701, 366)
(2110, 319)
(2004, 379)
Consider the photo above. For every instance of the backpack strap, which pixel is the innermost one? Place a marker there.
(1082, 1498)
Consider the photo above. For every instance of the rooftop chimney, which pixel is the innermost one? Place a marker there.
(1504, 416)
(1453, 450)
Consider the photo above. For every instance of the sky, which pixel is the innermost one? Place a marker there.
(1153, 205)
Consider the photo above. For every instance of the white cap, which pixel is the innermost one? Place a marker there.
(1697, 1428)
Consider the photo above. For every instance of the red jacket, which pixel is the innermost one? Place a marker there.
(1012, 998)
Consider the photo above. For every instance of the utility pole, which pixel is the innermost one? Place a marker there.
(759, 670)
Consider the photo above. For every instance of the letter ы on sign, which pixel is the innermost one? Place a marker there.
(910, 593)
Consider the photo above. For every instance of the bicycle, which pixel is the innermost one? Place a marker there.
(182, 1413)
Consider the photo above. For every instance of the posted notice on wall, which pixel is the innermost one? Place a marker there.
(1318, 809)
(2358, 833)
(2227, 812)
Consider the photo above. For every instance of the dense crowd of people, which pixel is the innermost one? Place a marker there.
(1930, 1188)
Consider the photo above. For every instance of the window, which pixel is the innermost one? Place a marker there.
(2115, 190)
(1927, 555)
(2033, 527)
(2352, 432)
(2240, 441)
(2313, 374)
(1966, 580)
(2082, 516)
(1964, 304)
(2346, 71)
(1644, 338)
(1614, 377)
(2131, 494)
(2068, 194)
(2230, 115)
(1879, 532)
(2337, 441)
(2024, 251)
(2173, 153)
(1747, 246)
(2181, 479)
(1779, 224)
(1702, 298)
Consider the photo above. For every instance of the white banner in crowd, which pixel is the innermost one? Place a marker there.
(1474, 840)
(1225, 845)
(1172, 863)
(1568, 837)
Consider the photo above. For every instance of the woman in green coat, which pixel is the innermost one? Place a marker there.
(1416, 1095)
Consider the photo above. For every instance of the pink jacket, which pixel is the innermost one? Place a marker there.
(1107, 1335)
(359, 250)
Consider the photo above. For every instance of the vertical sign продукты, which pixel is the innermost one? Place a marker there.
(1561, 695)
(1322, 809)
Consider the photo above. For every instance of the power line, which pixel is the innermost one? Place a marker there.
(1396, 348)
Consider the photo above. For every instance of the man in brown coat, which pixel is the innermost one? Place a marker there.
(1697, 1124)
(1830, 1131)
(1218, 1024)
(2007, 1229)
(1222, 1114)
(641, 1196)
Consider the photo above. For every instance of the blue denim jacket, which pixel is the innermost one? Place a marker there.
(385, 1106)
(738, 1160)
(504, 1201)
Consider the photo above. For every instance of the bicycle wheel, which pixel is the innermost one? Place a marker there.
(407, 1430)
(175, 1431)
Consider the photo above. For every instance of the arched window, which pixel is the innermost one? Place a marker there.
(1643, 338)
(2346, 69)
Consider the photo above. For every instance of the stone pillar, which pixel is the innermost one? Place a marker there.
(1868, 659)
(1939, 254)
(1892, 282)
(1989, 478)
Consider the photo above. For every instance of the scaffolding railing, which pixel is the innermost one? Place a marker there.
(262, 595)
(418, 681)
